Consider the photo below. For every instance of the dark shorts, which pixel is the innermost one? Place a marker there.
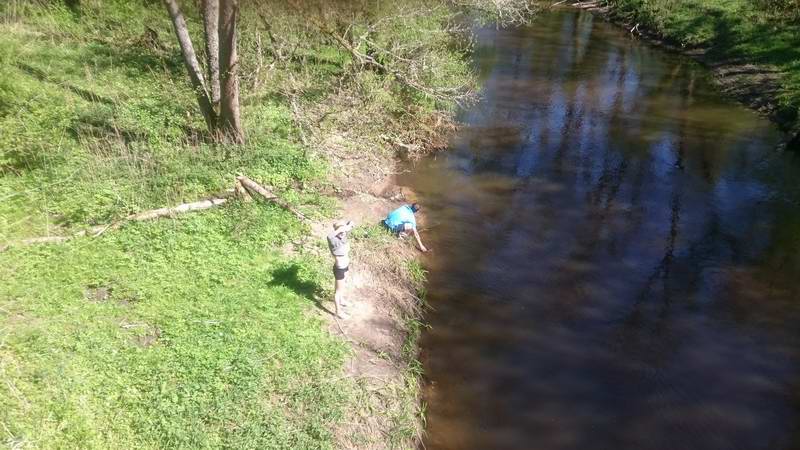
(338, 273)
(396, 230)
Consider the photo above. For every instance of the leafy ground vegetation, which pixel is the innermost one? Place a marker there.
(196, 331)
(763, 32)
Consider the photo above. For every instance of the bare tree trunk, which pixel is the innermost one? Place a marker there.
(211, 27)
(230, 123)
(192, 66)
(169, 211)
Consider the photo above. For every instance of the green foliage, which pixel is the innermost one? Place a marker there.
(203, 340)
(418, 274)
(342, 98)
(375, 233)
(413, 33)
(97, 121)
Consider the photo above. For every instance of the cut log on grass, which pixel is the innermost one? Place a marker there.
(241, 192)
(256, 188)
(242, 187)
(138, 217)
(186, 207)
(46, 239)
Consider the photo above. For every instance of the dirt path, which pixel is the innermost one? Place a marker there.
(374, 327)
(382, 298)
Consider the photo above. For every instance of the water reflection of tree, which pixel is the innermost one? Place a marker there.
(627, 190)
(662, 270)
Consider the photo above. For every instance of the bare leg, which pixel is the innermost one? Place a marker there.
(338, 298)
(342, 298)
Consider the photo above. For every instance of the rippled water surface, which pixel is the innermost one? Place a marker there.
(615, 255)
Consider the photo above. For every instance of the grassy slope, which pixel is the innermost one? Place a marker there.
(204, 341)
(730, 29)
(93, 124)
(208, 337)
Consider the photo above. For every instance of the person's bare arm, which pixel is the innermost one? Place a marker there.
(419, 241)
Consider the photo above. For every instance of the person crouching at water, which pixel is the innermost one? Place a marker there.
(340, 249)
(402, 220)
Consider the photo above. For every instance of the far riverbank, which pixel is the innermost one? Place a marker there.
(752, 50)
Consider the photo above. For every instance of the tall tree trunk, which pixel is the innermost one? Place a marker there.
(211, 27)
(230, 123)
(192, 66)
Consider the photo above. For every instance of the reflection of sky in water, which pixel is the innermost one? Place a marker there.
(613, 269)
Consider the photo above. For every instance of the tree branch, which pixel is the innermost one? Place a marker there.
(504, 12)
(458, 94)
(138, 217)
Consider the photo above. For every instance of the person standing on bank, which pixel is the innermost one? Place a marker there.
(340, 249)
(402, 220)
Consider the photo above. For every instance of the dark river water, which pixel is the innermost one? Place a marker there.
(615, 255)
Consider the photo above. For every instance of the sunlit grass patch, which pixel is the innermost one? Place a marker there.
(751, 31)
(166, 334)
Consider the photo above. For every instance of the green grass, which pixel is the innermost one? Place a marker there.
(754, 31)
(405, 418)
(94, 125)
(208, 337)
(196, 331)
(204, 341)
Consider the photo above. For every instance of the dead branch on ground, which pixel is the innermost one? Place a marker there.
(266, 194)
(407, 76)
(242, 189)
(504, 12)
(97, 230)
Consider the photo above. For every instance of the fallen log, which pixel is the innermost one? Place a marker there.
(138, 217)
(586, 5)
(186, 207)
(241, 192)
(46, 239)
(256, 188)
(242, 187)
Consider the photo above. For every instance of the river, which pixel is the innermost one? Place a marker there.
(614, 255)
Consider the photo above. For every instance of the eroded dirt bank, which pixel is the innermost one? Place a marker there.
(385, 308)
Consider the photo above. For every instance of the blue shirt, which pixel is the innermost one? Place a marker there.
(399, 216)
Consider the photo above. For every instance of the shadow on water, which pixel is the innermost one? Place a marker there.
(620, 262)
